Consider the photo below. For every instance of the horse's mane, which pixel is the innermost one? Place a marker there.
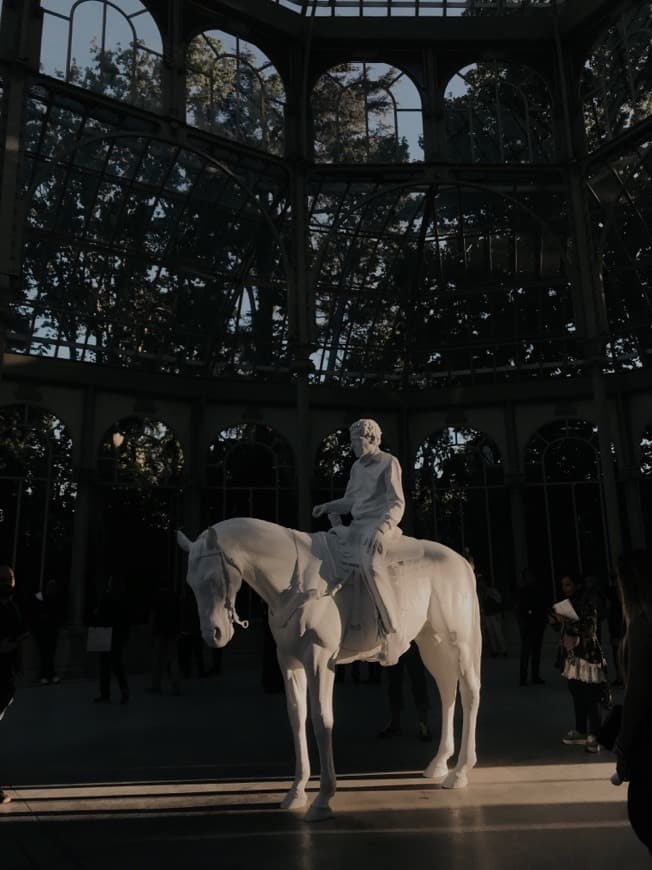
(237, 530)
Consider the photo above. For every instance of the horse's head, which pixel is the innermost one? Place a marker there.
(215, 581)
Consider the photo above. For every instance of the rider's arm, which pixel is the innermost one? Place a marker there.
(394, 495)
(345, 504)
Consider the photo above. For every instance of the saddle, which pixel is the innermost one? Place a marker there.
(334, 572)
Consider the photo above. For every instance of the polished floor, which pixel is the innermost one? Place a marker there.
(195, 780)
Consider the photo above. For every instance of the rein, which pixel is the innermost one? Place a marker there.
(229, 606)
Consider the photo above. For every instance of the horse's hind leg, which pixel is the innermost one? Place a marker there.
(469, 679)
(297, 706)
(442, 661)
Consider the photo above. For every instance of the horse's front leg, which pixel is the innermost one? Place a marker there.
(296, 700)
(321, 679)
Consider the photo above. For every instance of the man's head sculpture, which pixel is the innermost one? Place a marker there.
(366, 428)
(215, 579)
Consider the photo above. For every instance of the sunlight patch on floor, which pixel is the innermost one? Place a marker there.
(524, 785)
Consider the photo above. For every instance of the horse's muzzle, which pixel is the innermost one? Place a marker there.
(216, 638)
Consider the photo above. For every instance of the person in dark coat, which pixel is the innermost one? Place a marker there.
(46, 619)
(633, 747)
(13, 630)
(112, 612)
(191, 645)
(532, 617)
(411, 662)
(165, 638)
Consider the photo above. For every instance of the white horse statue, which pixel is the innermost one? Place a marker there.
(309, 615)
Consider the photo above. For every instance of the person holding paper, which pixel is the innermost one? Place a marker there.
(581, 661)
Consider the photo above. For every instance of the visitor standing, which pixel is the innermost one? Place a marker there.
(531, 611)
(581, 661)
(411, 662)
(112, 613)
(45, 620)
(164, 623)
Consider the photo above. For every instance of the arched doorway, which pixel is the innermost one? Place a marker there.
(139, 467)
(460, 499)
(37, 496)
(565, 515)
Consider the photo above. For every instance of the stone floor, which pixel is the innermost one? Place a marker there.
(194, 781)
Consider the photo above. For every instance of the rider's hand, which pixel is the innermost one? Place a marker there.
(319, 510)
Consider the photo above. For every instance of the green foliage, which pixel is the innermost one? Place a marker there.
(140, 452)
(353, 119)
(132, 281)
(334, 460)
(503, 115)
(232, 96)
(131, 75)
(622, 217)
(617, 80)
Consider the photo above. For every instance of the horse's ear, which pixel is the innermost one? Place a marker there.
(184, 542)
(211, 539)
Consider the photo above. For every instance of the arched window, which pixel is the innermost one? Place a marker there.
(234, 90)
(250, 473)
(37, 496)
(617, 77)
(499, 114)
(460, 499)
(564, 502)
(111, 47)
(366, 113)
(139, 467)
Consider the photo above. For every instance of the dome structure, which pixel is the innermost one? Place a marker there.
(419, 8)
(266, 219)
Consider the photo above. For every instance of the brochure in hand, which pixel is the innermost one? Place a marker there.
(565, 608)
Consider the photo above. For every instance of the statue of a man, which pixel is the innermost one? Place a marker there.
(374, 498)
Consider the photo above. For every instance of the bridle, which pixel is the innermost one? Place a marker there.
(229, 605)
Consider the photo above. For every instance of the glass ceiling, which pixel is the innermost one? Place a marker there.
(409, 8)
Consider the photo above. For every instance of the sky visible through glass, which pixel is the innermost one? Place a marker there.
(120, 30)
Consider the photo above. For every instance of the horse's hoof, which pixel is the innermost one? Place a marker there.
(318, 814)
(436, 771)
(455, 780)
(294, 801)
